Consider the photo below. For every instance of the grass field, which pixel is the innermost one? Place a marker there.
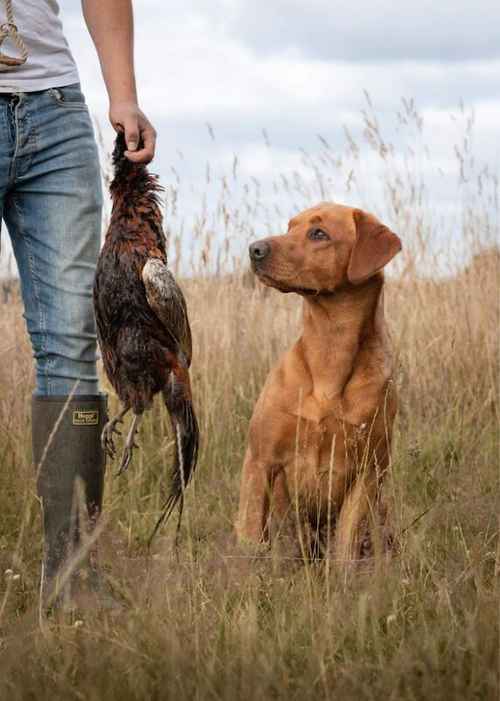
(215, 624)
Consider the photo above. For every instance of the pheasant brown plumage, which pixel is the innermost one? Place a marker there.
(142, 322)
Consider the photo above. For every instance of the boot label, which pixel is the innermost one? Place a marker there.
(84, 417)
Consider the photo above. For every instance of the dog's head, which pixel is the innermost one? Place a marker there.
(325, 248)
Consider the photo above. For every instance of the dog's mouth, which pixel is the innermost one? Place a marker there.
(269, 281)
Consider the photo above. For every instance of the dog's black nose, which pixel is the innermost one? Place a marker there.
(259, 250)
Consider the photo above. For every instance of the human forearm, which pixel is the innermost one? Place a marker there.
(111, 26)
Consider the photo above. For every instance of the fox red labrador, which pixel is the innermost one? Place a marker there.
(320, 434)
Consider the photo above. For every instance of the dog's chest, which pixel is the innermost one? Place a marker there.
(325, 457)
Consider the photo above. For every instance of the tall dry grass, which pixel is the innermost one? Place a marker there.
(215, 625)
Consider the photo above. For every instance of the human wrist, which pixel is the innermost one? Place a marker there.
(123, 100)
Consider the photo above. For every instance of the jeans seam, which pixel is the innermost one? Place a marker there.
(36, 290)
(24, 127)
(14, 117)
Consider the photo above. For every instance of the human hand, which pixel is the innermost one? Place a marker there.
(127, 117)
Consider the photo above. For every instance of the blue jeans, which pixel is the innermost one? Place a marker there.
(51, 201)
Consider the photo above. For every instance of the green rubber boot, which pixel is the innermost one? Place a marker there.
(66, 435)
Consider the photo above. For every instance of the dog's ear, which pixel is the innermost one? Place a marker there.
(374, 247)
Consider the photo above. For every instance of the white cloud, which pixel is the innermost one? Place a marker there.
(298, 70)
(369, 30)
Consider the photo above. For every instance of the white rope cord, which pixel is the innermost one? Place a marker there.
(9, 29)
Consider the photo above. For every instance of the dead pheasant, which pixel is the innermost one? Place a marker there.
(142, 321)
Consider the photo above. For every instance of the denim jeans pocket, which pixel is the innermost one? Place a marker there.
(69, 97)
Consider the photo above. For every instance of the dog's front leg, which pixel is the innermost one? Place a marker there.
(254, 501)
(358, 504)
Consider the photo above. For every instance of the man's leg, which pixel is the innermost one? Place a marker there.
(53, 212)
(6, 153)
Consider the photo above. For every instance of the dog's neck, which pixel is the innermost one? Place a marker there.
(337, 327)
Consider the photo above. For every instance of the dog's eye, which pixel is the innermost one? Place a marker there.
(317, 235)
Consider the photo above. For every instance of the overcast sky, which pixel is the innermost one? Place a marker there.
(298, 69)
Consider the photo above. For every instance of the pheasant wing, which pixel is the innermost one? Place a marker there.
(165, 298)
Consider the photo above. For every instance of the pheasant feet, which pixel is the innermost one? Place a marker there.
(109, 432)
(129, 445)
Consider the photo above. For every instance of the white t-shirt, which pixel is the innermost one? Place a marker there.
(50, 63)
